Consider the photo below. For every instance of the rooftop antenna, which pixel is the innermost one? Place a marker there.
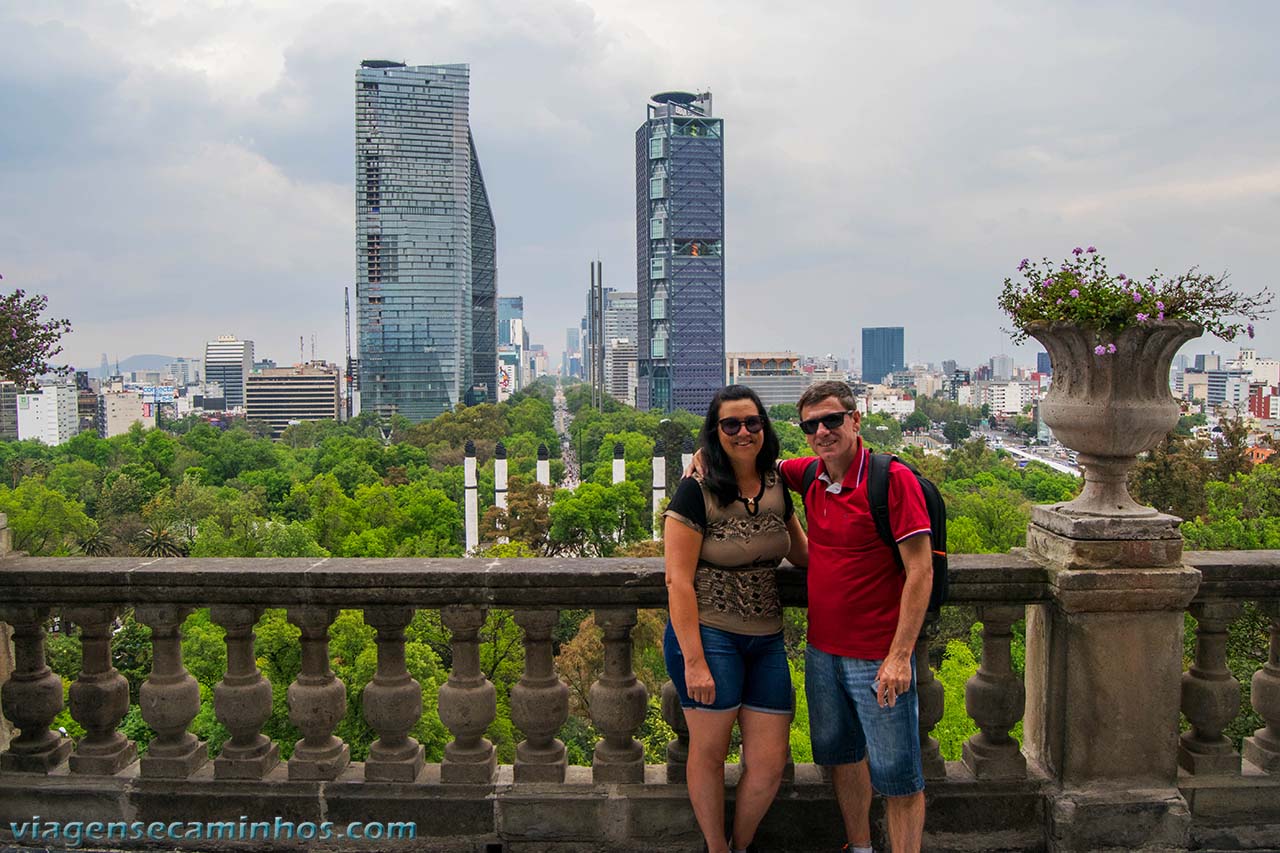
(302, 352)
(313, 346)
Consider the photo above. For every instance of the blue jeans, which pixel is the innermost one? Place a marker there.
(749, 671)
(846, 724)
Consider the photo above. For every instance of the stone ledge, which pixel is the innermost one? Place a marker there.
(965, 814)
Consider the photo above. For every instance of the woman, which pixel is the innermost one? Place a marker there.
(725, 535)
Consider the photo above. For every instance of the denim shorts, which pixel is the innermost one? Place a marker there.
(846, 724)
(749, 671)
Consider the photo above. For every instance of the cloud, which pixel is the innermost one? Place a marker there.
(170, 172)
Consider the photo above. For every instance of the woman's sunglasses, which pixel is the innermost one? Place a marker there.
(731, 426)
(831, 422)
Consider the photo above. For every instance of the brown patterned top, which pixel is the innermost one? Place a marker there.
(742, 545)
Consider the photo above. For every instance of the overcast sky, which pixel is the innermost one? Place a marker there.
(171, 170)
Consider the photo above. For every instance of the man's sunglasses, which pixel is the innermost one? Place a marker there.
(731, 426)
(831, 422)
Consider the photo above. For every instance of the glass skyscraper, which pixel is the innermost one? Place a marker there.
(882, 352)
(680, 253)
(426, 282)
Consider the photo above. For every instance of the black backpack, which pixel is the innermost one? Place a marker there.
(878, 497)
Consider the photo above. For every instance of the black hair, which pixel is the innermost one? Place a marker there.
(719, 477)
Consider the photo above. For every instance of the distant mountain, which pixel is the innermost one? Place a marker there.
(144, 362)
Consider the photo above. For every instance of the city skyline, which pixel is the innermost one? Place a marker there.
(206, 151)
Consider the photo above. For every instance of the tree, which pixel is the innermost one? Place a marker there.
(1232, 444)
(955, 432)
(160, 542)
(526, 519)
(43, 522)
(595, 520)
(917, 421)
(27, 342)
(1172, 476)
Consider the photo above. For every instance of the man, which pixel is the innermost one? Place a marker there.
(864, 616)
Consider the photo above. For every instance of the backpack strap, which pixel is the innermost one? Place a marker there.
(806, 481)
(878, 499)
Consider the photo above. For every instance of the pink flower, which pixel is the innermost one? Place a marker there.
(1059, 300)
(1122, 277)
(1024, 264)
(1111, 347)
(1074, 294)
(1249, 329)
(1142, 318)
(1137, 297)
(1099, 350)
(1160, 316)
(1077, 251)
(1159, 306)
(1046, 282)
(1091, 250)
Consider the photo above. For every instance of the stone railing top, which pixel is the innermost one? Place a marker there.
(1240, 575)
(357, 582)
(1009, 578)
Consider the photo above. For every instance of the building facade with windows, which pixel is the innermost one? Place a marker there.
(777, 377)
(883, 352)
(680, 253)
(228, 362)
(49, 415)
(289, 395)
(426, 276)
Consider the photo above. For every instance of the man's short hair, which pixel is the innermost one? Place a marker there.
(820, 391)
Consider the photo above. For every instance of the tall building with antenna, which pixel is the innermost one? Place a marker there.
(426, 279)
(680, 253)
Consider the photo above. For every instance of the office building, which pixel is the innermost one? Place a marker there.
(1043, 365)
(229, 362)
(680, 253)
(1227, 388)
(620, 370)
(1208, 361)
(572, 364)
(883, 352)
(426, 278)
(184, 371)
(1001, 367)
(118, 411)
(8, 411)
(778, 377)
(49, 415)
(288, 395)
(509, 308)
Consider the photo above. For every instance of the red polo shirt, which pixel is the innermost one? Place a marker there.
(855, 586)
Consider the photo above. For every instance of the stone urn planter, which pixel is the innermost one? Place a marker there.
(1110, 407)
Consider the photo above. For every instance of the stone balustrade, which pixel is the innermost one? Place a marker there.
(997, 796)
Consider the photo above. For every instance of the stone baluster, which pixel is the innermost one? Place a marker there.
(317, 701)
(1263, 749)
(931, 696)
(99, 697)
(468, 703)
(392, 701)
(677, 749)
(618, 702)
(170, 697)
(995, 698)
(1210, 694)
(242, 699)
(539, 702)
(32, 697)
